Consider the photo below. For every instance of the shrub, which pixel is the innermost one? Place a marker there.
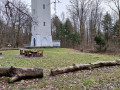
(100, 43)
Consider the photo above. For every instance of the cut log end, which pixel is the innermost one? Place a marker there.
(21, 73)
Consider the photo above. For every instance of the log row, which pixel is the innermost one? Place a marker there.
(21, 73)
(84, 67)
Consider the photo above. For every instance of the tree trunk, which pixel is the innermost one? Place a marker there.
(21, 73)
(119, 30)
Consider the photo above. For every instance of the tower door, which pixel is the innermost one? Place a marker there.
(34, 42)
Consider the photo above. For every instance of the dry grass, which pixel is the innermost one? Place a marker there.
(98, 79)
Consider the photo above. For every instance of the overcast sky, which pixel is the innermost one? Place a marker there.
(61, 7)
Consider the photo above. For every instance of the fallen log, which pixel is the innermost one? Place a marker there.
(103, 63)
(21, 73)
(84, 67)
(118, 62)
(70, 69)
(5, 71)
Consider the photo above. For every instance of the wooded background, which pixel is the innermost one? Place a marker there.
(87, 27)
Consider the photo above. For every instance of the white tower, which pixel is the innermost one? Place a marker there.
(41, 31)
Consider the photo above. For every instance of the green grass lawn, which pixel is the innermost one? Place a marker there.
(104, 78)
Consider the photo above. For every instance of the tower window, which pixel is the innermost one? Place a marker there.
(44, 23)
(43, 6)
(34, 27)
(33, 11)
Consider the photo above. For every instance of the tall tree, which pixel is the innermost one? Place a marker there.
(18, 17)
(55, 27)
(107, 26)
(116, 8)
(79, 9)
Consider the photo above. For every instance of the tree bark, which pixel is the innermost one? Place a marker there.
(21, 73)
(84, 67)
(70, 69)
(119, 30)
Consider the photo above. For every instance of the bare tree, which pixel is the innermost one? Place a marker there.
(18, 18)
(86, 17)
(116, 8)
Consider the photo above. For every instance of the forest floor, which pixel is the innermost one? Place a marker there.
(107, 78)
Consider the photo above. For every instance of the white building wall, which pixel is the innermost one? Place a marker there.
(56, 43)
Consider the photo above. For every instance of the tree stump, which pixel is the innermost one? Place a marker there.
(21, 52)
(0, 53)
(39, 53)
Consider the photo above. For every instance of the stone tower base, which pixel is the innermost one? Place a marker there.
(41, 41)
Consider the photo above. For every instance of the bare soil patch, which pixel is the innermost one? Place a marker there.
(1, 57)
(25, 57)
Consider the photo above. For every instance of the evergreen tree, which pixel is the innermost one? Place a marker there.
(55, 27)
(116, 29)
(107, 26)
(100, 43)
(66, 33)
